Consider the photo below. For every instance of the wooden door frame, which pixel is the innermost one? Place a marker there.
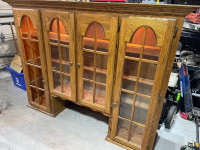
(34, 15)
(104, 19)
(67, 18)
(159, 76)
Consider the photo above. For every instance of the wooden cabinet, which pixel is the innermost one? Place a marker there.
(96, 49)
(59, 35)
(30, 41)
(112, 58)
(30, 38)
(144, 46)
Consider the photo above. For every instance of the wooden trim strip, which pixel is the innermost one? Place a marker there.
(95, 63)
(132, 58)
(96, 82)
(127, 91)
(60, 55)
(29, 64)
(92, 51)
(137, 81)
(118, 8)
(150, 61)
(54, 44)
(34, 40)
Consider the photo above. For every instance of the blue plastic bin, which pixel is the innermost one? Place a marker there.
(18, 78)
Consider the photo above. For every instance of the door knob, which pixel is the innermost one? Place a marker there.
(78, 65)
(70, 63)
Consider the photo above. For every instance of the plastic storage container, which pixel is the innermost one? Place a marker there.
(18, 78)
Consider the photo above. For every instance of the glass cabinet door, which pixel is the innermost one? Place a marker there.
(96, 41)
(60, 53)
(141, 64)
(32, 56)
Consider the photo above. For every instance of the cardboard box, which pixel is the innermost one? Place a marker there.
(16, 64)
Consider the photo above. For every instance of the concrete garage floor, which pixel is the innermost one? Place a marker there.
(75, 128)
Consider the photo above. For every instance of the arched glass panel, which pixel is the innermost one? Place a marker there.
(95, 58)
(141, 58)
(59, 42)
(33, 62)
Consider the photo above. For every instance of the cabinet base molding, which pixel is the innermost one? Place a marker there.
(116, 143)
(47, 113)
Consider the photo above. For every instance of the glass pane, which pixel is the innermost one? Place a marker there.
(151, 53)
(126, 105)
(101, 61)
(129, 74)
(66, 68)
(67, 85)
(122, 129)
(88, 91)
(147, 73)
(55, 58)
(102, 45)
(31, 75)
(133, 50)
(53, 35)
(65, 54)
(57, 83)
(137, 133)
(141, 109)
(55, 65)
(54, 52)
(34, 95)
(36, 53)
(100, 94)
(88, 43)
(27, 50)
(42, 98)
(88, 74)
(101, 77)
(39, 77)
(88, 59)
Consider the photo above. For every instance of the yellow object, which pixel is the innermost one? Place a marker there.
(196, 144)
(157, 1)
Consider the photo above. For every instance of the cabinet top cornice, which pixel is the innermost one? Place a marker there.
(119, 8)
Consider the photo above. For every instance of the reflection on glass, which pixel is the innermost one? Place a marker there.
(65, 54)
(88, 91)
(141, 109)
(122, 129)
(147, 73)
(31, 75)
(88, 59)
(34, 95)
(55, 65)
(67, 85)
(137, 133)
(126, 105)
(39, 77)
(88, 74)
(101, 61)
(27, 49)
(101, 77)
(129, 74)
(100, 94)
(57, 83)
(42, 98)
(66, 68)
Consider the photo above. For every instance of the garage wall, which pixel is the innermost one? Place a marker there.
(6, 47)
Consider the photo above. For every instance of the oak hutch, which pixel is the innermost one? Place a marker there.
(113, 58)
